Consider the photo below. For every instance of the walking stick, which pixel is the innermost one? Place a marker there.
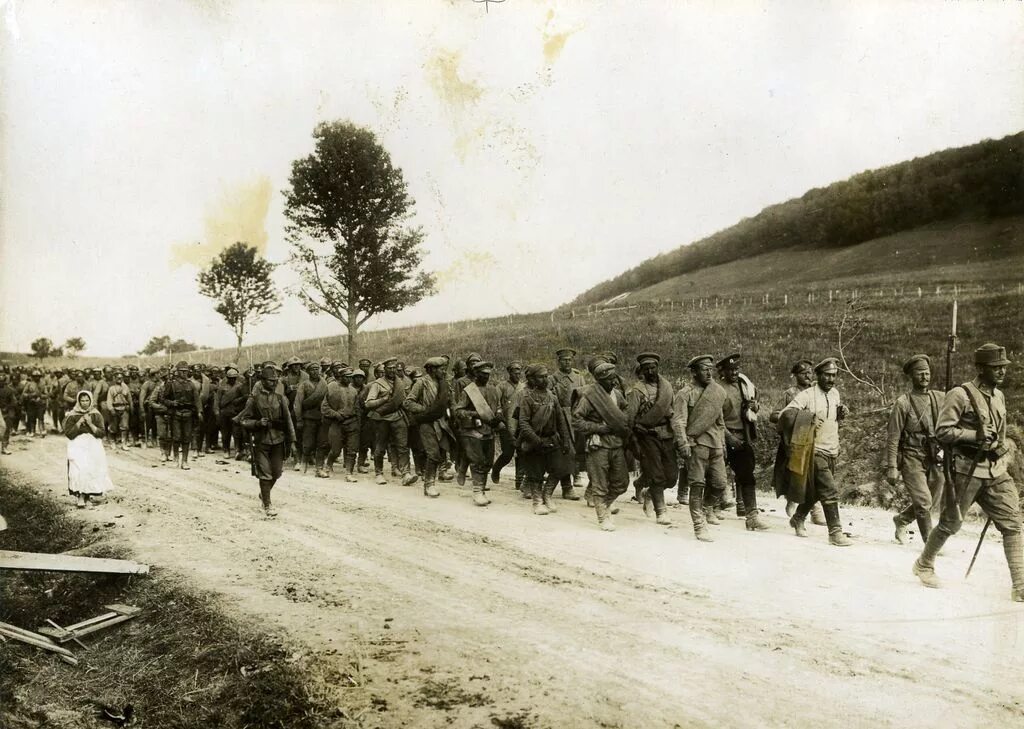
(978, 548)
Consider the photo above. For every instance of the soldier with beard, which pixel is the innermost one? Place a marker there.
(291, 377)
(803, 378)
(180, 396)
(509, 389)
(650, 403)
(427, 404)
(267, 416)
(463, 375)
(544, 439)
(565, 384)
(230, 399)
(478, 411)
(740, 413)
(391, 432)
(309, 419)
(341, 418)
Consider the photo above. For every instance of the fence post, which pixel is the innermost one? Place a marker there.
(919, 293)
(785, 300)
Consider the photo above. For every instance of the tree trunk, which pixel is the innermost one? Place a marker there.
(238, 350)
(353, 332)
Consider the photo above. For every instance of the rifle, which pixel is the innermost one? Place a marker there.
(947, 466)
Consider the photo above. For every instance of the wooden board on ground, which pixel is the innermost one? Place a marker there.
(37, 561)
(115, 614)
(39, 641)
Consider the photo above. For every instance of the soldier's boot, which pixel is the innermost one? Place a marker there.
(1013, 548)
(429, 476)
(700, 525)
(547, 491)
(750, 511)
(660, 509)
(350, 468)
(741, 504)
(900, 533)
(710, 516)
(604, 519)
(818, 515)
(588, 496)
(495, 475)
(835, 527)
(410, 479)
(124, 441)
(725, 499)
(755, 523)
(363, 467)
(924, 565)
(790, 508)
(568, 492)
(644, 497)
(184, 457)
(923, 517)
(683, 492)
(478, 496)
(797, 520)
(536, 492)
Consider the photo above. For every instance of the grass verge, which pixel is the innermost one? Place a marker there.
(181, 664)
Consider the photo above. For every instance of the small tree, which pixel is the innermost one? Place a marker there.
(42, 347)
(349, 200)
(74, 346)
(239, 281)
(157, 345)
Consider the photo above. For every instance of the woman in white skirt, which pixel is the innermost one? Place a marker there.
(87, 462)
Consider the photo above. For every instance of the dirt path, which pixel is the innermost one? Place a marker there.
(442, 614)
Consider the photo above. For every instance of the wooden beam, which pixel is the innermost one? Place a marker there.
(37, 561)
(39, 641)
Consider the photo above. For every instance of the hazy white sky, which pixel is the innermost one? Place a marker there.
(548, 145)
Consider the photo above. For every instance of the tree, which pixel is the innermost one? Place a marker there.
(239, 281)
(348, 210)
(157, 345)
(42, 348)
(73, 346)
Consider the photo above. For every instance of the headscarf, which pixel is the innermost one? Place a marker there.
(78, 405)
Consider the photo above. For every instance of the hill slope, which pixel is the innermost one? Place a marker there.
(983, 181)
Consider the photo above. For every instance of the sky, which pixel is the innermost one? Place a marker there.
(548, 145)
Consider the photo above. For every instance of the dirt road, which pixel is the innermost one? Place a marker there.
(438, 613)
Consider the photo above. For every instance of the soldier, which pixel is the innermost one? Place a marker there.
(341, 418)
(119, 403)
(972, 427)
(8, 405)
(366, 366)
(803, 377)
(135, 422)
(69, 393)
(544, 439)
(211, 411)
(290, 379)
(201, 383)
(427, 404)
(565, 384)
(478, 411)
(650, 403)
(57, 398)
(384, 406)
(159, 413)
(508, 389)
(401, 374)
(180, 396)
(366, 431)
(147, 416)
(309, 419)
(230, 399)
(698, 422)
(267, 416)
(824, 411)
(33, 404)
(740, 412)
(101, 385)
(602, 419)
(912, 448)
(462, 376)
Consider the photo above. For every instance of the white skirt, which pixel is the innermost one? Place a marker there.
(87, 466)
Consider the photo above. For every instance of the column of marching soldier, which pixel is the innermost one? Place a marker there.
(434, 426)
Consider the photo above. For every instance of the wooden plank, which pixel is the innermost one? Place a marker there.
(103, 625)
(38, 641)
(118, 614)
(36, 561)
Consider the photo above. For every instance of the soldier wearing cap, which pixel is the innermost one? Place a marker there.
(802, 372)
(565, 384)
(462, 376)
(699, 427)
(401, 374)
(601, 417)
(544, 439)
(972, 427)
(33, 403)
(201, 382)
(267, 416)
(913, 450)
(161, 413)
(147, 416)
(478, 412)
(650, 404)
(62, 377)
(119, 405)
(135, 424)
(825, 410)
(290, 379)
(341, 417)
(361, 384)
(309, 419)
(103, 378)
(509, 389)
(180, 396)
(326, 369)
(427, 405)
(384, 402)
(740, 413)
(69, 392)
(230, 398)
(211, 410)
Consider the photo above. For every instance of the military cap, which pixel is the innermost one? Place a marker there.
(133, 368)
(196, 367)
(338, 364)
(565, 352)
(359, 372)
(215, 369)
(106, 368)
(514, 363)
(909, 365)
(611, 357)
(699, 360)
(182, 365)
(801, 365)
(435, 362)
(348, 372)
(729, 359)
(231, 371)
(484, 366)
(388, 360)
(324, 363)
(414, 374)
(474, 358)
(827, 363)
(604, 370)
(269, 365)
(991, 355)
(537, 369)
(289, 362)
(594, 361)
(311, 365)
(645, 357)
(37, 373)
(364, 361)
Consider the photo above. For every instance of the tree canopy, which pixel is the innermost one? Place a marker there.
(349, 209)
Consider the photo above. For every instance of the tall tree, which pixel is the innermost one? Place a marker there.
(74, 346)
(239, 280)
(157, 345)
(348, 210)
(42, 347)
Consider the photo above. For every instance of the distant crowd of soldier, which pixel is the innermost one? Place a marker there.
(451, 420)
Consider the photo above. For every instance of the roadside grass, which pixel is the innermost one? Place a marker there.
(182, 663)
